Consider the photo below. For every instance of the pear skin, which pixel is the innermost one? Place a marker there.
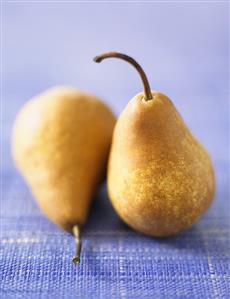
(160, 178)
(61, 141)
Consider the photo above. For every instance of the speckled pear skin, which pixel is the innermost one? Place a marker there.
(61, 142)
(160, 178)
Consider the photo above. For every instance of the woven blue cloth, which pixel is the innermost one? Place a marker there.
(183, 48)
(116, 262)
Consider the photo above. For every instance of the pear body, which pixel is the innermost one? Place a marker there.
(160, 179)
(61, 141)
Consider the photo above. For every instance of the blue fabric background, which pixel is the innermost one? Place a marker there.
(183, 47)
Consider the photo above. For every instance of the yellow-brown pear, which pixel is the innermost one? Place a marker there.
(61, 141)
(160, 178)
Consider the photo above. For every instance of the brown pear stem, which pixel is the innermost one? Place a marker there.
(147, 90)
(77, 236)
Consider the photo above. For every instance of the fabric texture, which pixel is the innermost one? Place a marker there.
(116, 262)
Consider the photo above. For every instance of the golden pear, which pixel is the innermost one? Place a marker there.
(160, 178)
(61, 141)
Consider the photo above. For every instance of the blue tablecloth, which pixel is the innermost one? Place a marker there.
(184, 49)
(116, 262)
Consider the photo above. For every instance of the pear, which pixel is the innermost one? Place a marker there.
(61, 141)
(160, 178)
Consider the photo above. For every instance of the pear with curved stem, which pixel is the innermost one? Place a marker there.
(160, 178)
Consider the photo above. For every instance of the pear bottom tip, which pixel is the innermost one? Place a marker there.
(76, 260)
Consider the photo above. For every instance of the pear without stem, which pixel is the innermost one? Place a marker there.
(160, 178)
(61, 141)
